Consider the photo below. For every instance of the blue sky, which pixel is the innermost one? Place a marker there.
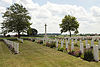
(51, 12)
(85, 3)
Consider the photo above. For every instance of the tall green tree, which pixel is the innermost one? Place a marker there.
(69, 23)
(32, 31)
(16, 19)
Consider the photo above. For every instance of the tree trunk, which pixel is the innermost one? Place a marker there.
(18, 34)
(70, 33)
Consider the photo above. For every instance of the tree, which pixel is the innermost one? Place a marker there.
(32, 31)
(69, 23)
(16, 19)
(76, 32)
(4, 32)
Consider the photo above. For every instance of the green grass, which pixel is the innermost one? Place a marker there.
(35, 55)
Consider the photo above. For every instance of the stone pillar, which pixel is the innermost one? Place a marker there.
(72, 46)
(96, 52)
(81, 48)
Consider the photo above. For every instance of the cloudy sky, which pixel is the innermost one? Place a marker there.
(51, 12)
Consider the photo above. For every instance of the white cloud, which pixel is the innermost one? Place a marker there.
(52, 15)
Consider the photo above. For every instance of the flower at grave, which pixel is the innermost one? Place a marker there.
(47, 44)
(71, 52)
(66, 49)
(40, 41)
(77, 53)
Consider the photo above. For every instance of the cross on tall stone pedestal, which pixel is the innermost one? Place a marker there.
(45, 36)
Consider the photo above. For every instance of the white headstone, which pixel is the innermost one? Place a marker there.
(67, 45)
(92, 42)
(99, 44)
(81, 48)
(72, 46)
(61, 44)
(88, 45)
(96, 53)
(80, 41)
(76, 40)
(57, 43)
(72, 40)
(86, 41)
(68, 40)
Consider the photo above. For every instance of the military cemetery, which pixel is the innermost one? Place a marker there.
(27, 42)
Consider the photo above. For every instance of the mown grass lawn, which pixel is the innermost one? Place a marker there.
(35, 55)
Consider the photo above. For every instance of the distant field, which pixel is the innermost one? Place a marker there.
(36, 55)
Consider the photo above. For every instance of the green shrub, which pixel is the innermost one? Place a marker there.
(60, 49)
(88, 55)
(33, 40)
(76, 45)
(48, 44)
(53, 44)
(77, 53)
(71, 52)
(40, 41)
(82, 56)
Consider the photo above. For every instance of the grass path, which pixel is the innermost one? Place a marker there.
(35, 55)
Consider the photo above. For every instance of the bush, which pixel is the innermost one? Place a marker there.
(71, 52)
(60, 49)
(76, 45)
(77, 53)
(48, 44)
(40, 41)
(82, 56)
(88, 55)
(33, 40)
(53, 44)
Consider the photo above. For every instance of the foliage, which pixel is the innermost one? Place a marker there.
(69, 23)
(51, 44)
(32, 31)
(61, 49)
(88, 55)
(76, 45)
(16, 19)
(77, 53)
(47, 44)
(40, 41)
(71, 52)
(4, 32)
(82, 56)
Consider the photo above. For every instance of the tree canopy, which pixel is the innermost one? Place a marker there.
(69, 23)
(16, 19)
(32, 31)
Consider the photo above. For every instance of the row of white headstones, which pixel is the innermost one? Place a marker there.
(20, 40)
(12, 45)
(95, 47)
